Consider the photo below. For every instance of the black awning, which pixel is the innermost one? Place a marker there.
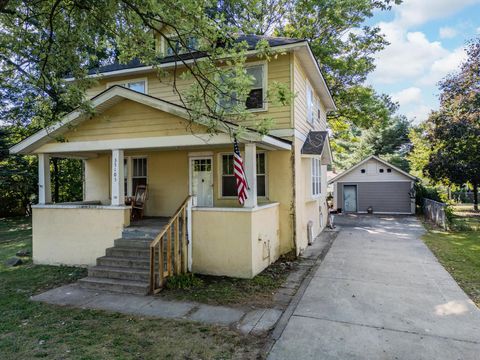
(314, 143)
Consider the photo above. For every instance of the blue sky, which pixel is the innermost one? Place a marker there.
(427, 41)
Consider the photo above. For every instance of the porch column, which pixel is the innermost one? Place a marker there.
(44, 187)
(251, 174)
(118, 184)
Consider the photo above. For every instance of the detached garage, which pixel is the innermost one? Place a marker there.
(376, 185)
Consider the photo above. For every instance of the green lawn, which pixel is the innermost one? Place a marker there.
(459, 253)
(31, 330)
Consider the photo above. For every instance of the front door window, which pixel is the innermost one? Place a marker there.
(202, 181)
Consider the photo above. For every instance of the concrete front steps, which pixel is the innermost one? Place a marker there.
(125, 266)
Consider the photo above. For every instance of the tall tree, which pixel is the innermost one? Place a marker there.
(454, 130)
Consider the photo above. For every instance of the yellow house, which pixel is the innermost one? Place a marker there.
(140, 134)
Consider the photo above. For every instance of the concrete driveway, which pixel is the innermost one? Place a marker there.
(381, 294)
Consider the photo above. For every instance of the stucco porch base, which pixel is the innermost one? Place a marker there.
(75, 234)
(236, 242)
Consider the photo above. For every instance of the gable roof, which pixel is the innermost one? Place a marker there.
(386, 163)
(251, 40)
(300, 47)
(113, 96)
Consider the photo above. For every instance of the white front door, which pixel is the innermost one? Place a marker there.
(350, 198)
(201, 180)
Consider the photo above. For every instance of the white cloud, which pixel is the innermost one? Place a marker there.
(418, 113)
(417, 12)
(447, 32)
(409, 55)
(407, 96)
(444, 66)
(478, 30)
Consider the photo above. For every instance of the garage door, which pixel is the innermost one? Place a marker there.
(384, 196)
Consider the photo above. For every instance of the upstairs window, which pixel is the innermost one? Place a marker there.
(316, 177)
(256, 97)
(138, 85)
(310, 107)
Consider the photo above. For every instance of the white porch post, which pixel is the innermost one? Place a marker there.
(118, 184)
(250, 164)
(44, 187)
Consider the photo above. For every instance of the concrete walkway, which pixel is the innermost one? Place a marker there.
(249, 321)
(381, 294)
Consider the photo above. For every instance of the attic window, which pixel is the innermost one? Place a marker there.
(362, 171)
(138, 85)
(389, 170)
(381, 170)
(177, 46)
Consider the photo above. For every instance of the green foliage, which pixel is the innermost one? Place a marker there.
(453, 132)
(184, 281)
(424, 192)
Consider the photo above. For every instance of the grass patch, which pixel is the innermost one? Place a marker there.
(465, 218)
(32, 330)
(459, 253)
(220, 290)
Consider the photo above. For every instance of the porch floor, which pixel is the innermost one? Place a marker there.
(148, 227)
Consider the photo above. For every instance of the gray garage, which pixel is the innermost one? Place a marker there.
(376, 185)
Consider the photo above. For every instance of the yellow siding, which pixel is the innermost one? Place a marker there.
(300, 103)
(129, 119)
(307, 208)
(163, 87)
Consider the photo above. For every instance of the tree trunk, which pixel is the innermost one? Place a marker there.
(475, 196)
(56, 181)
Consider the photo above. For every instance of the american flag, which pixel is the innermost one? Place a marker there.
(239, 173)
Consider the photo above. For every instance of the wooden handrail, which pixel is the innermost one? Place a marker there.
(180, 248)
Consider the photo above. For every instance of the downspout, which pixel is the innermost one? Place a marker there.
(292, 157)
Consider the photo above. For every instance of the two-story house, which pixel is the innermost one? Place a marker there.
(140, 135)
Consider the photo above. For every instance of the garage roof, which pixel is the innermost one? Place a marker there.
(386, 163)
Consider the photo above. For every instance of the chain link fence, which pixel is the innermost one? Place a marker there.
(434, 211)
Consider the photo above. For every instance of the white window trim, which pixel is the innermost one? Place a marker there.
(264, 65)
(130, 172)
(313, 175)
(123, 82)
(311, 104)
(220, 175)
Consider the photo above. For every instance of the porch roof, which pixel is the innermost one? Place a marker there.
(39, 142)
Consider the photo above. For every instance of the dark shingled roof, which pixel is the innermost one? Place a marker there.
(314, 143)
(251, 40)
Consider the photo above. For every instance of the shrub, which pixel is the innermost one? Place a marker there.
(183, 281)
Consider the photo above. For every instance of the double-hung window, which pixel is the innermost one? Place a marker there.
(135, 173)
(310, 105)
(316, 177)
(228, 182)
(139, 85)
(256, 97)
